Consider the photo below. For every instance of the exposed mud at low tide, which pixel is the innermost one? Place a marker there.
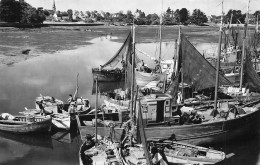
(17, 45)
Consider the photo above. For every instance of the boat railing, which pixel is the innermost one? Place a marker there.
(29, 119)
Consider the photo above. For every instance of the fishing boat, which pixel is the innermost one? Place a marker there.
(160, 113)
(58, 106)
(59, 120)
(51, 105)
(114, 69)
(25, 124)
(160, 70)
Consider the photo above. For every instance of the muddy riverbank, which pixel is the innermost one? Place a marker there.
(18, 44)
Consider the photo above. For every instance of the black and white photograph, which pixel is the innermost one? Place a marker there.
(129, 82)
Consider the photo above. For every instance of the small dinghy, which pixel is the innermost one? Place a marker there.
(176, 152)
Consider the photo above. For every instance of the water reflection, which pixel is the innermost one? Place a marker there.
(13, 146)
(246, 150)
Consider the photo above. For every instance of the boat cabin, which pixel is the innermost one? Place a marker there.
(156, 108)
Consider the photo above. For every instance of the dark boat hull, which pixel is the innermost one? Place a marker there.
(108, 76)
(103, 131)
(213, 132)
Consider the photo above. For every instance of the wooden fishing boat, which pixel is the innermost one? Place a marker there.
(163, 151)
(25, 124)
(59, 120)
(51, 105)
(59, 106)
(114, 69)
(114, 75)
(86, 125)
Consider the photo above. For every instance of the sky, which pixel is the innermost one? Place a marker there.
(209, 7)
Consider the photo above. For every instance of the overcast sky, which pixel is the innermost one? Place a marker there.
(148, 6)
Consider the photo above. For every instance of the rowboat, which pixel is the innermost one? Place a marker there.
(26, 124)
(172, 153)
(176, 152)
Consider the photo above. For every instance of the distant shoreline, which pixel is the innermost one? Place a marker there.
(38, 25)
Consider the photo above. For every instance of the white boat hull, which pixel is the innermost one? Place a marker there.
(61, 123)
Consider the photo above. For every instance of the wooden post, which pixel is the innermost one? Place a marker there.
(143, 136)
(96, 106)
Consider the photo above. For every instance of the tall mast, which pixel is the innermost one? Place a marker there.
(160, 37)
(257, 24)
(178, 59)
(243, 51)
(218, 62)
(133, 72)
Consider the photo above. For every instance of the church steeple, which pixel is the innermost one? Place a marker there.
(54, 6)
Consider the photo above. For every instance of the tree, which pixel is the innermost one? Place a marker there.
(236, 16)
(10, 11)
(176, 15)
(129, 16)
(88, 14)
(198, 17)
(22, 12)
(257, 13)
(46, 12)
(70, 14)
(184, 15)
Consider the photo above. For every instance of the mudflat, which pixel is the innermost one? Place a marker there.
(21, 44)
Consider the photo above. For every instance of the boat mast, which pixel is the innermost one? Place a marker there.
(257, 24)
(160, 37)
(243, 51)
(133, 72)
(96, 110)
(218, 63)
(178, 59)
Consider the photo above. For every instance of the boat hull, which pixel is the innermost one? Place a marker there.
(108, 76)
(61, 123)
(208, 133)
(24, 126)
(116, 104)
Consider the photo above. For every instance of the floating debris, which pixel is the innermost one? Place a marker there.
(26, 51)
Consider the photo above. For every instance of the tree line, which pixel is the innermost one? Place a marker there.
(22, 12)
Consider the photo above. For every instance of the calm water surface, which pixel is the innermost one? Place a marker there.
(55, 75)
